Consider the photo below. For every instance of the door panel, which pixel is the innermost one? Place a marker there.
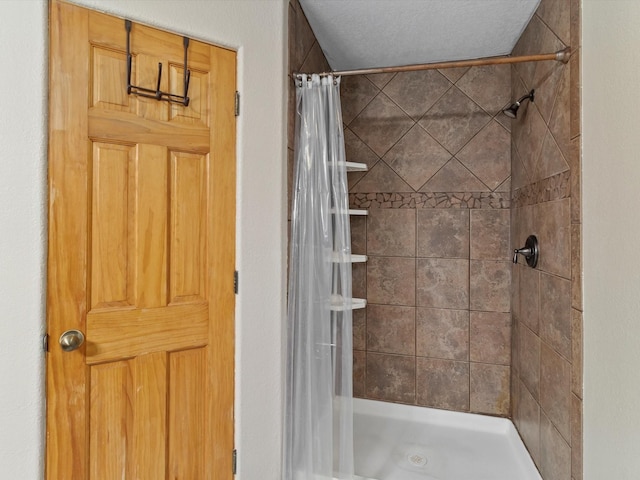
(141, 255)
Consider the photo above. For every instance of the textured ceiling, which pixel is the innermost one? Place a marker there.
(382, 33)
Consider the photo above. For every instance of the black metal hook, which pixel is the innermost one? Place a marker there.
(157, 93)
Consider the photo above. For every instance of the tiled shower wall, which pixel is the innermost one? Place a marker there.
(437, 328)
(547, 302)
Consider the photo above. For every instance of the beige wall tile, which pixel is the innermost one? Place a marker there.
(416, 92)
(304, 37)
(489, 388)
(359, 280)
(576, 438)
(530, 360)
(391, 232)
(358, 235)
(442, 333)
(555, 453)
(443, 233)
(391, 329)
(360, 329)
(551, 161)
(576, 266)
(356, 92)
(442, 384)
(528, 133)
(488, 86)
(488, 155)
(454, 120)
(442, 283)
(357, 151)
(381, 79)
(557, 14)
(315, 60)
(516, 312)
(416, 157)
(490, 337)
(560, 122)
(576, 352)
(490, 286)
(576, 86)
(454, 177)
(359, 371)
(391, 281)
(527, 419)
(381, 124)
(490, 235)
(391, 378)
(530, 297)
(381, 178)
(555, 390)
(555, 313)
(553, 222)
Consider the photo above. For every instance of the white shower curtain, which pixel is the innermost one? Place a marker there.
(318, 437)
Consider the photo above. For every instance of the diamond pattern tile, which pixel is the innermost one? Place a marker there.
(416, 92)
(504, 187)
(357, 151)
(551, 160)
(454, 74)
(454, 120)
(488, 155)
(489, 86)
(381, 124)
(380, 79)
(454, 177)
(315, 60)
(519, 174)
(381, 179)
(416, 157)
(355, 93)
(529, 135)
(560, 123)
(304, 37)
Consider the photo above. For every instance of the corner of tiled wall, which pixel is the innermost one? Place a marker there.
(546, 378)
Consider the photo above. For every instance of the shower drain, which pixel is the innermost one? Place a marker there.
(416, 459)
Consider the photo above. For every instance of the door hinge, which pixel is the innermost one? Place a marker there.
(237, 105)
(45, 343)
(235, 282)
(234, 461)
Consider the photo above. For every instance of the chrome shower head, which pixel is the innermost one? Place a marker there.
(512, 110)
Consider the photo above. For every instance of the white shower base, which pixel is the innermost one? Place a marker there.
(402, 442)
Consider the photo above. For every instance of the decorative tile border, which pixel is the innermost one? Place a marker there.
(546, 190)
(429, 200)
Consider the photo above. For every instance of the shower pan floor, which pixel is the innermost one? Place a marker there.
(403, 442)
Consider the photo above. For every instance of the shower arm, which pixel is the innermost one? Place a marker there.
(562, 56)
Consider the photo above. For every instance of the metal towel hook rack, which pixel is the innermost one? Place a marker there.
(157, 93)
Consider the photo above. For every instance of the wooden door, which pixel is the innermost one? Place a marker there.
(141, 255)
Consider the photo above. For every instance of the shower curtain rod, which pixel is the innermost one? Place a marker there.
(560, 56)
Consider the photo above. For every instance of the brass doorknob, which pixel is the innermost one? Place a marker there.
(71, 339)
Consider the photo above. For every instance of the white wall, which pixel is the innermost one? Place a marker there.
(257, 29)
(22, 236)
(611, 201)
